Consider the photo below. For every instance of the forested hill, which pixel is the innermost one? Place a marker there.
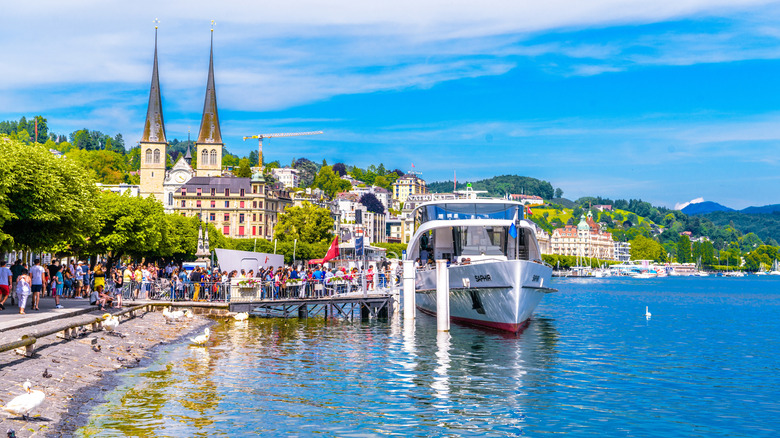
(765, 226)
(498, 186)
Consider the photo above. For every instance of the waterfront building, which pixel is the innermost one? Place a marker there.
(373, 225)
(622, 251)
(382, 194)
(409, 184)
(239, 207)
(584, 240)
(288, 176)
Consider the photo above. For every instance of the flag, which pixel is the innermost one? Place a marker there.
(528, 210)
(412, 164)
(333, 251)
(455, 183)
(513, 227)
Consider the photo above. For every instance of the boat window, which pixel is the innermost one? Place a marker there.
(480, 240)
(455, 211)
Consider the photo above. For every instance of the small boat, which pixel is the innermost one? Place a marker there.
(496, 275)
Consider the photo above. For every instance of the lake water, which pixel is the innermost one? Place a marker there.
(706, 364)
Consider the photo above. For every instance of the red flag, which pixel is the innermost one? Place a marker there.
(528, 210)
(412, 164)
(333, 251)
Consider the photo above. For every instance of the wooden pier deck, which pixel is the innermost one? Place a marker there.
(337, 306)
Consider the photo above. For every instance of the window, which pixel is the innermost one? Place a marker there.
(260, 230)
(183, 203)
(254, 231)
(213, 204)
(254, 217)
(254, 204)
(227, 204)
(204, 157)
(227, 217)
(156, 156)
(241, 218)
(226, 230)
(242, 192)
(170, 198)
(227, 192)
(184, 191)
(254, 189)
(213, 191)
(197, 203)
(241, 230)
(261, 204)
(148, 158)
(212, 217)
(214, 157)
(241, 204)
(199, 191)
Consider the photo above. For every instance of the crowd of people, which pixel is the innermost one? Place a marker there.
(108, 286)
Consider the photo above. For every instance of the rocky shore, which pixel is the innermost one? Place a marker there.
(80, 370)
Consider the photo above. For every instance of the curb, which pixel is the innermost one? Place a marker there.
(24, 324)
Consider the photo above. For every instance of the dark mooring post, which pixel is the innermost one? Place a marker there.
(303, 311)
(365, 312)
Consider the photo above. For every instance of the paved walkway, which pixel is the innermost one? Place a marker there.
(11, 319)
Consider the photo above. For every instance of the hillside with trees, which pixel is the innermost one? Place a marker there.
(500, 186)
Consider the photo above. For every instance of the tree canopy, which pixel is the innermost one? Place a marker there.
(307, 223)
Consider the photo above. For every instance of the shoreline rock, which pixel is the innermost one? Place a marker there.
(83, 370)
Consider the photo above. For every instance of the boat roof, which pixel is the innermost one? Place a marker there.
(469, 201)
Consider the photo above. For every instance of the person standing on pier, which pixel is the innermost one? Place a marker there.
(6, 280)
(36, 282)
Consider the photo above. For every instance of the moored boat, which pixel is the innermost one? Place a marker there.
(496, 273)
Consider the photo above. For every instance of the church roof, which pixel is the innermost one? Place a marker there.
(154, 128)
(209, 123)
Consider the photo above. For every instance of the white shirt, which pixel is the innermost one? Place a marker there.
(36, 274)
(4, 274)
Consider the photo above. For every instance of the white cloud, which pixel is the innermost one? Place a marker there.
(685, 204)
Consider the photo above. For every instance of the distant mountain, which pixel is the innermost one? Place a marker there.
(765, 226)
(704, 208)
(766, 209)
(498, 186)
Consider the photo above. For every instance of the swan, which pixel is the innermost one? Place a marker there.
(202, 339)
(172, 316)
(110, 323)
(188, 313)
(23, 404)
(241, 316)
(647, 313)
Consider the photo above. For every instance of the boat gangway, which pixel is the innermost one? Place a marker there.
(347, 306)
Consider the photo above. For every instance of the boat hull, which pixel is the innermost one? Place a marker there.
(499, 295)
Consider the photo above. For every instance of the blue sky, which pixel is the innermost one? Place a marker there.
(665, 101)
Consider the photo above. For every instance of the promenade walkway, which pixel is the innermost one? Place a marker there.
(11, 319)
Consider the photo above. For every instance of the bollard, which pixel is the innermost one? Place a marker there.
(409, 304)
(442, 296)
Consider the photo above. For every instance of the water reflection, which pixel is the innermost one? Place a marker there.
(362, 378)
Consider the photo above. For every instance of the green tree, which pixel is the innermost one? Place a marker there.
(684, 249)
(107, 167)
(127, 225)
(244, 169)
(329, 182)
(644, 248)
(307, 223)
(50, 202)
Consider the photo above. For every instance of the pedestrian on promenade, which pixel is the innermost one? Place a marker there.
(36, 282)
(78, 279)
(22, 290)
(52, 269)
(99, 274)
(67, 282)
(58, 289)
(6, 280)
(118, 286)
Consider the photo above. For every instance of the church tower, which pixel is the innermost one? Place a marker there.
(208, 147)
(153, 142)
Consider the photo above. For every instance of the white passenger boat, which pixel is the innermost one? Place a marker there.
(496, 275)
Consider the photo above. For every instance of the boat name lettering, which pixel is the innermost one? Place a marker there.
(535, 278)
(483, 277)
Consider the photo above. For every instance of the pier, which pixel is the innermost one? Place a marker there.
(375, 305)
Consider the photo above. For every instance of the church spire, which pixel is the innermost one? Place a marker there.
(154, 128)
(209, 123)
